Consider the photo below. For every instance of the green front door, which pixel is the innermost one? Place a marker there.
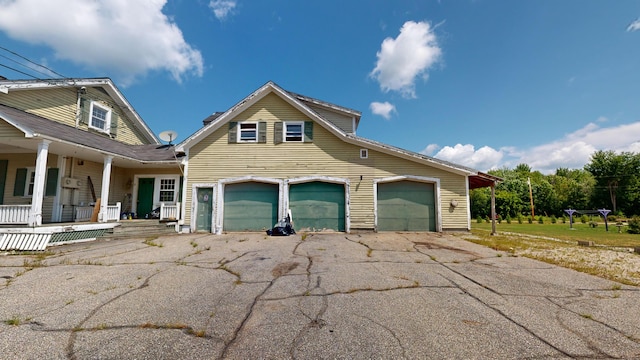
(205, 209)
(250, 206)
(317, 206)
(406, 206)
(145, 197)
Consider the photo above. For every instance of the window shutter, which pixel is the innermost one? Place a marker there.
(233, 132)
(308, 131)
(21, 179)
(180, 188)
(3, 178)
(114, 124)
(85, 106)
(262, 132)
(52, 182)
(277, 133)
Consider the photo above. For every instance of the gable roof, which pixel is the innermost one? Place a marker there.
(105, 84)
(34, 126)
(300, 103)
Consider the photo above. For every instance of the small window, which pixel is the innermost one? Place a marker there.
(248, 132)
(31, 179)
(167, 190)
(294, 132)
(100, 117)
(364, 153)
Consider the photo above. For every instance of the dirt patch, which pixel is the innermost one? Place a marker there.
(283, 269)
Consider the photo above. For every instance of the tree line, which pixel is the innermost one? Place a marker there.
(610, 180)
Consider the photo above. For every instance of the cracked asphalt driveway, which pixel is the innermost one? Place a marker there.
(355, 296)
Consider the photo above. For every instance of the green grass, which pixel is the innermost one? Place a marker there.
(562, 231)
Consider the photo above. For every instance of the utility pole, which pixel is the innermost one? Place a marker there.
(531, 198)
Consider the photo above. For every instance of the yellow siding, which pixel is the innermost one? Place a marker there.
(344, 123)
(8, 131)
(214, 158)
(60, 104)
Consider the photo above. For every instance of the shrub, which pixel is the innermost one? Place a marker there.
(634, 225)
(479, 219)
(553, 219)
(487, 219)
(508, 218)
(519, 218)
(530, 219)
(612, 218)
(540, 220)
(593, 224)
(584, 219)
(564, 219)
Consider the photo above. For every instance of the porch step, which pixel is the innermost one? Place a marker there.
(141, 228)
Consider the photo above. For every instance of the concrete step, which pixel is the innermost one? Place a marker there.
(141, 228)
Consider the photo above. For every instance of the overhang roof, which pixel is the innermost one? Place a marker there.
(481, 180)
(37, 127)
(105, 84)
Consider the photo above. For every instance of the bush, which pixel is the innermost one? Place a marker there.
(593, 224)
(519, 218)
(479, 219)
(612, 218)
(584, 219)
(530, 219)
(564, 219)
(540, 220)
(508, 218)
(634, 225)
(553, 219)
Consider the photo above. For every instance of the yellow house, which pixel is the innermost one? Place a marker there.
(73, 149)
(277, 154)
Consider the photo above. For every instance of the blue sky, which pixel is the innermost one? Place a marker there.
(483, 83)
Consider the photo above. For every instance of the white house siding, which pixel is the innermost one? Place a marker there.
(213, 159)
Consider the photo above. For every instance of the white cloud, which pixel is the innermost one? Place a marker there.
(222, 8)
(120, 37)
(572, 151)
(430, 149)
(483, 158)
(634, 25)
(384, 109)
(403, 59)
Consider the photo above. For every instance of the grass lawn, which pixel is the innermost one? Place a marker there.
(580, 231)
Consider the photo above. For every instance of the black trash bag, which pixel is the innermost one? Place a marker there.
(282, 228)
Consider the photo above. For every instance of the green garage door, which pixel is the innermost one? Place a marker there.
(250, 206)
(406, 206)
(317, 206)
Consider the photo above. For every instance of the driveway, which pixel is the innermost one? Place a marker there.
(338, 296)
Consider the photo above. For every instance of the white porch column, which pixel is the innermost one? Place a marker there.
(104, 192)
(35, 216)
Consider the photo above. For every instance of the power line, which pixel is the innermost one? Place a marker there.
(33, 62)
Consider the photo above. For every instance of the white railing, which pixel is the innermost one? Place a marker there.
(14, 214)
(83, 213)
(113, 212)
(169, 212)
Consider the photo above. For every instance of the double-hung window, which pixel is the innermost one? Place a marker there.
(294, 131)
(100, 117)
(167, 190)
(248, 132)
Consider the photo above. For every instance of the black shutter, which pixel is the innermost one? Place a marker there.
(308, 131)
(233, 132)
(85, 106)
(21, 179)
(114, 124)
(262, 132)
(277, 133)
(52, 182)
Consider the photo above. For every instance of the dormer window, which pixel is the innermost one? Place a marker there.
(248, 132)
(294, 131)
(100, 117)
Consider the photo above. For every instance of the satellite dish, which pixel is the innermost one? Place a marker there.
(168, 136)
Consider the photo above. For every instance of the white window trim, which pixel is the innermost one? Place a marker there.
(31, 171)
(156, 189)
(107, 120)
(284, 131)
(255, 139)
(364, 153)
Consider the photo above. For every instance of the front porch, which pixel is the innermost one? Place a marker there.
(16, 234)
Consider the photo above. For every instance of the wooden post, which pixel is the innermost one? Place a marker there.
(493, 208)
(96, 210)
(533, 216)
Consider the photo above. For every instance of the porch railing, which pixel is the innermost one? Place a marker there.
(84, 213)
(113, 212)
(14, 214)
(169, 212)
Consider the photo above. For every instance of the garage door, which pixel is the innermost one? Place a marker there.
(250, 206)
(406, 206)
(317, 206)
